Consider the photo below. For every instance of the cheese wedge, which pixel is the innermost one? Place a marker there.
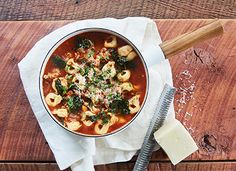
(175, 140)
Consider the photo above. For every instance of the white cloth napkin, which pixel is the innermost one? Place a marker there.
(82, 153)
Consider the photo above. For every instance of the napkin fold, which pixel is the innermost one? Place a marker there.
(79, 152)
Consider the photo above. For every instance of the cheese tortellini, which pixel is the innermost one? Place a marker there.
(109, 70)
(85, 119)
(127, 51)
(126, 86)
(53, 99)
(60, 112)
(72, 67)
(134, 104)
(124, 75)
(110, 42)
(74, 125)
(124, 50)
(101, 128)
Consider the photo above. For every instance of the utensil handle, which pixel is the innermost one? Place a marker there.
(185, 41)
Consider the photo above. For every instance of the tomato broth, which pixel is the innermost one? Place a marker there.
(94, 83)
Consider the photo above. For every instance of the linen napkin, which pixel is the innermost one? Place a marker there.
(83, 153)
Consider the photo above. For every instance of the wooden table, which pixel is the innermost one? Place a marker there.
(209, 112)
(84, 9)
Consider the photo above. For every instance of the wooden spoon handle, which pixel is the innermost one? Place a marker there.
(185, 41)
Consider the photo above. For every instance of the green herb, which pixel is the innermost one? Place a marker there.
(97, 79)
(105, 120)
(119, 106)
(104, 117)
(121, 61)
(105, 86)
(82, 42)
(130, 64)
(58, 62)
(73, 86)
(74, 103)
(107, 57)
(101, 115)
(86, 70)
(90, 53)
(69, 77)
(60, 88)
(68, 67)
(92, 118)
(81, 71)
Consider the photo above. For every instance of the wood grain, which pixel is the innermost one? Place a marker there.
(213, 108)
(185, 41)
(193, 166)
(84, 9)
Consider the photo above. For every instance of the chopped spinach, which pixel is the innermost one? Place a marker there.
(60, 88)
(119, 106)
(82, 42)
(92, 118)
(58, 62)
(105, 120)
(101, 115)
(121, 61)
(86, 71)
(73, 86)
(74, 103)
(130, 64)
(104, 117)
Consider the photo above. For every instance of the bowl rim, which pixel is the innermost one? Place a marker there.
(76, 33)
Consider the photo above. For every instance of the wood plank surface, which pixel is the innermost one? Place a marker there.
(84, 9)
(193, 166)
(205, 76)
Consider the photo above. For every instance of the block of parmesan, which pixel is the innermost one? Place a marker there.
(175, 140)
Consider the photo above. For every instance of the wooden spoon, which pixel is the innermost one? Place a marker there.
(187, 40)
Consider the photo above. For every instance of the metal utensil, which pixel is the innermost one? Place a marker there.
(157, 121)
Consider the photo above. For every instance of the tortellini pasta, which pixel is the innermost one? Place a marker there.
(53, 99)
(84, 118)
(131, 56)
(124, 75)
(63, 82)
(113, 119)
(74, 125)
(60, 112)
(110, 42)
(126, 86)
(124, 50)
(127, 51)
(101, 128)
(72, 67)
(55, 73)
(109, 70)
(134, 104)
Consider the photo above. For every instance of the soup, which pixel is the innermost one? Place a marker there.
(94, 83)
